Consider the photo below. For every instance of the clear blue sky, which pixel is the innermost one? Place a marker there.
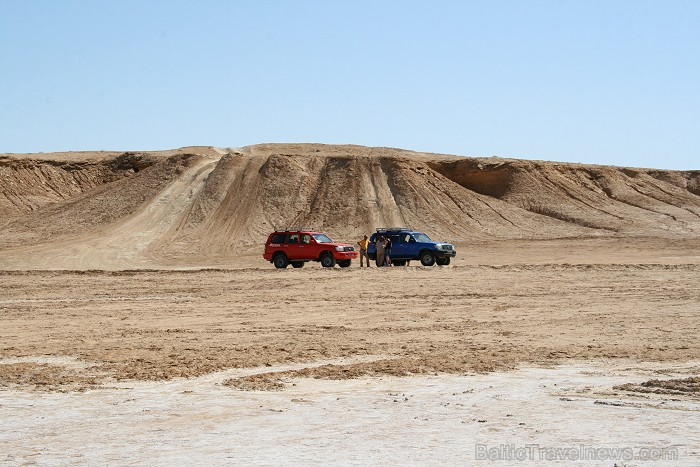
(608, 82)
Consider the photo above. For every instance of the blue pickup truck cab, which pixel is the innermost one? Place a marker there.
(408, 244)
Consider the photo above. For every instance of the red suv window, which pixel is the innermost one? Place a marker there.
(292, 238)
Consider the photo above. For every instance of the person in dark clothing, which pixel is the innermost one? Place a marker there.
(387, 252)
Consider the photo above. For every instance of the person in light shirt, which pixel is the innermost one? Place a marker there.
(380, 242)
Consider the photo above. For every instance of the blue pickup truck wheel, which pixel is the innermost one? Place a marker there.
(427, 259)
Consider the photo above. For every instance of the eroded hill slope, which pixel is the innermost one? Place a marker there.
(184, 207)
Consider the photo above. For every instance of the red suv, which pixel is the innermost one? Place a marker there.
(297, 246)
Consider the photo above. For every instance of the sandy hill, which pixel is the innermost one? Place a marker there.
(186, 206)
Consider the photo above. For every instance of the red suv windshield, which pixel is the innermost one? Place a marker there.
(320, 238)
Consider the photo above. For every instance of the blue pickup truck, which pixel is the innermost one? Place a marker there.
(408, 244)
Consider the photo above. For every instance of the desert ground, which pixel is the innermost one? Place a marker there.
(140, 324)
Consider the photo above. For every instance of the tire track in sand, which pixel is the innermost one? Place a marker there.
(125, 244)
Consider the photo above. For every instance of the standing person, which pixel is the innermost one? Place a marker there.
(387, 252)
(364, 243)
(380, 250)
